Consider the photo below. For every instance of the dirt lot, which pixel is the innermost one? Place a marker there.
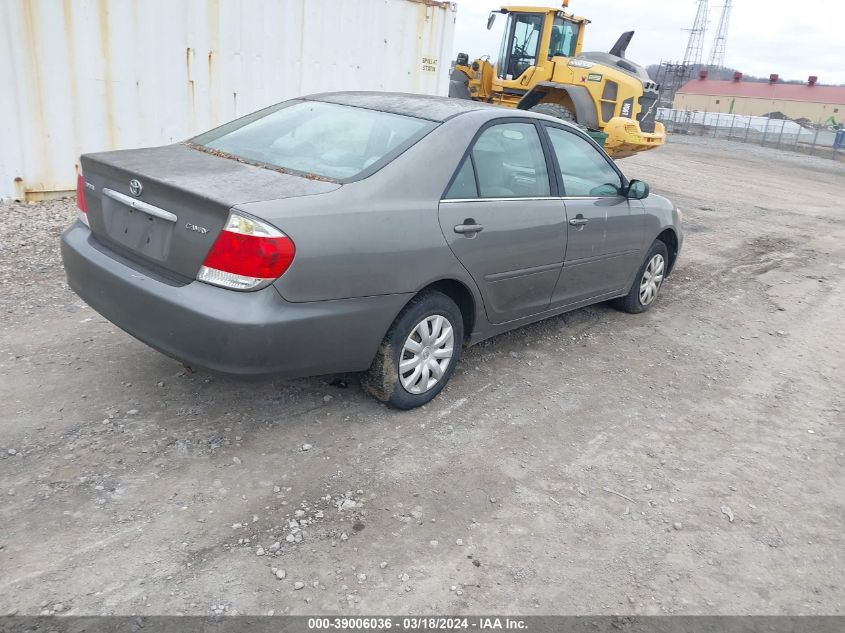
(688, 460)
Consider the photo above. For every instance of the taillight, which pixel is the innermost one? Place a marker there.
(247, 255)
(81, 206)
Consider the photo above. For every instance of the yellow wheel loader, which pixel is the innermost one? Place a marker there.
(541, 67)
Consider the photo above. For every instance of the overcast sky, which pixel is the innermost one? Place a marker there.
(794, 39)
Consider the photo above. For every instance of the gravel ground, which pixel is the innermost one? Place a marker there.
(688, 460)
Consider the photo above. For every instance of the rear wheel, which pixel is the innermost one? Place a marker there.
(554, 109)
(418, 354)
(643, 292)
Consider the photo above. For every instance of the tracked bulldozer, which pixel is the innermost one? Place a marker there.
(541, 67)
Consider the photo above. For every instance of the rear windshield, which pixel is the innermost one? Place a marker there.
(324, 139)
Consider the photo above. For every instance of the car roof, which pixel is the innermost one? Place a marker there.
(420, 106)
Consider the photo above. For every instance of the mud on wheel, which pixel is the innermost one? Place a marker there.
(418, 354)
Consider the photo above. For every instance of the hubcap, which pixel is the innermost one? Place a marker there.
(652, 278)
(426, 354)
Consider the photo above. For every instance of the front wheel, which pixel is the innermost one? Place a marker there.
(554, 109)
(643, 292)
(559, 112)
(418, 354)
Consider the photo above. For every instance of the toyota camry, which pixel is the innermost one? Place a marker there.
(362, 232)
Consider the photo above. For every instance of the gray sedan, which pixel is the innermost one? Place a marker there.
(362, 232)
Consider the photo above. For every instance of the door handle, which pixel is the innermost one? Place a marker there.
(468, 228)
(579, 220)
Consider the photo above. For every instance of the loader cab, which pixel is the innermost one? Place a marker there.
(520, 44)
(531, 39)
(564, 38)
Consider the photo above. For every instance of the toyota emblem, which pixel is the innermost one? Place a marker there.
(135, 187)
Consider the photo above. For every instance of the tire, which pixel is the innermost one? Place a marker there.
(400, 389)
(554, 109)
(638, 299)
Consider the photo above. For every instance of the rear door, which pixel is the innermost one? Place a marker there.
(502, 222)
(605, 229)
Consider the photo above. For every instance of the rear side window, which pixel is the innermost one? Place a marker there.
(324, 139)
(464, 184)
(509, 162)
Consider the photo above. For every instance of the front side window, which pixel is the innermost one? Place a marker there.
(584, 170)
(509, 162)
(564, 38)
(324, 139)
(520, 44)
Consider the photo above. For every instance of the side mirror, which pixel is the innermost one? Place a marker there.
(637, 190)
(490, 20)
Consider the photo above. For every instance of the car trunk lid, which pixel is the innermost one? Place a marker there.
(166, 205)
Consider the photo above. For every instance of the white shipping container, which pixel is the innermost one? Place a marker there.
(92, 75)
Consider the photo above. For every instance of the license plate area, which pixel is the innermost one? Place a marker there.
(137, 230)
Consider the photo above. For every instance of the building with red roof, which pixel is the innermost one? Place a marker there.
(818, 104)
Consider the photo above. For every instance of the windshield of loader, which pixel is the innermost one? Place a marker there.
(519, 44)
(564, 38)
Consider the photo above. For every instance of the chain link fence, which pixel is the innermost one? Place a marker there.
(778, 133)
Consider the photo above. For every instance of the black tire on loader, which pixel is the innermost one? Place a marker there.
(556, 110)
(559, 112)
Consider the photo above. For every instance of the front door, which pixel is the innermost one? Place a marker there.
(605, 229)
(502, 223)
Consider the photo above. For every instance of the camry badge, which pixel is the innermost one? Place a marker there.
(135, 187)
(194, 227)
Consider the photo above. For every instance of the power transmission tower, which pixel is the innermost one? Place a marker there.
(673, 75)
(695, 44)
(717, 53)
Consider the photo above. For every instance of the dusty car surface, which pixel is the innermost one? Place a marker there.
(362, 232)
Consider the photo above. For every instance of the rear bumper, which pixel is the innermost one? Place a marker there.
(228, 332)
